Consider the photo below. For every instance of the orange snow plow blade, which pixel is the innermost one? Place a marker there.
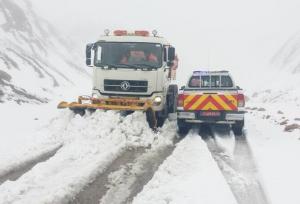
(84, 102)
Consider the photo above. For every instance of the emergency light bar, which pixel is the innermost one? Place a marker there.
(142, 33)
(197, 73)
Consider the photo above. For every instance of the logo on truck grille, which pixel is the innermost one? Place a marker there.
(136, 86)
(125, 85)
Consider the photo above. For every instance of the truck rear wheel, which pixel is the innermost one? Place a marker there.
(238, 127)
(183, 127)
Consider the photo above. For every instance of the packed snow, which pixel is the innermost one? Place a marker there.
(189, 175)
(277, 154)
(89, 145)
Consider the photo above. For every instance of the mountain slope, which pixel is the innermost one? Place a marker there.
(288, 56)
(34, 60)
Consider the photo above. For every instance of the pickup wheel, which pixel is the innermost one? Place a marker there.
(172, 96)
(238, 127)
(183, 127)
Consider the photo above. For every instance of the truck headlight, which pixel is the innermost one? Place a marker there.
(157, 100)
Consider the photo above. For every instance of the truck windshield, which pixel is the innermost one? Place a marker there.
(128, 55)
(211, 81)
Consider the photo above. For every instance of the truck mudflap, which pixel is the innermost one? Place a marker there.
(86, 102)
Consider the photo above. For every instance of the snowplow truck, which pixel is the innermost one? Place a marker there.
(132, 71)
(211, 97)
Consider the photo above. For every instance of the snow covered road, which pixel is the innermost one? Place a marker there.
(189, 175)
(109, 158)
(89, 146)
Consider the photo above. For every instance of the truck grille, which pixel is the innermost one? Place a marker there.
(125, 86)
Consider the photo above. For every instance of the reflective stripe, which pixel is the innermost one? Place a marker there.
(210, 102)
(221, 102)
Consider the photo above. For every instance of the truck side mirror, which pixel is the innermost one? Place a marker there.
(182, 88)
(88, 54)
(171, 54)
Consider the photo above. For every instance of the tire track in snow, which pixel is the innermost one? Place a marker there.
(128, 181)
(20, 170)
(238, 169)
(93, 192)
(125, 177)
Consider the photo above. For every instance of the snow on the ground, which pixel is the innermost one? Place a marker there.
(225, 141)
(131, 177)
(190, 175)
(279, 99)
(277, 155)
(89, 145)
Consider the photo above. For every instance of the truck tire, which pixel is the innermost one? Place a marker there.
(172, 97)
(183, 127)
(160, 120)
(151, 118)
(78, 111)
(238, 127)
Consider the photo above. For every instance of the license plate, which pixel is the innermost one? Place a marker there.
(189, 115)
(210, 114)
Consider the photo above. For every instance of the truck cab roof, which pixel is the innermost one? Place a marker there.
(133, 38)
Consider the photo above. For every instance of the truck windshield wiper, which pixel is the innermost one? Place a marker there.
(121, 66)
(146, 65)
(137, 66)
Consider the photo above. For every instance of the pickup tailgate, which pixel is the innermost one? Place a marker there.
(210, 101)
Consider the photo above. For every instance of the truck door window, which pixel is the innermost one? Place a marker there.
(215, 81)
(98, 54)
(226, 82)
(205, 81)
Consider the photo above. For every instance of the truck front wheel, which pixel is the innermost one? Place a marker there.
(151, 118)
(172, 98)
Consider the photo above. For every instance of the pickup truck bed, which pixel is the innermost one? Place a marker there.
(211, 105)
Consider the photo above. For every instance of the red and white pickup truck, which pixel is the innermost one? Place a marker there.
(211, 97)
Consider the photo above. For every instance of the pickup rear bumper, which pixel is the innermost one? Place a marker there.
(223, 117)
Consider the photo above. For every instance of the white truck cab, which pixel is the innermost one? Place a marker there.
(131, 71)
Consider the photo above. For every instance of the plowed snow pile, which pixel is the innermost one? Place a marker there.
(189, 175)
(89, 145)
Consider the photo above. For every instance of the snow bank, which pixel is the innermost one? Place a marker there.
(190, 175)
(276, 153)
(90, 144)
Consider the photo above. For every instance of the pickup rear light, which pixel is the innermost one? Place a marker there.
(241, 100)
(180, 101)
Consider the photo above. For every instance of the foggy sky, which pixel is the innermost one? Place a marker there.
(236, 35)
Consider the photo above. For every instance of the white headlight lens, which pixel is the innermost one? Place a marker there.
(157, 100)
